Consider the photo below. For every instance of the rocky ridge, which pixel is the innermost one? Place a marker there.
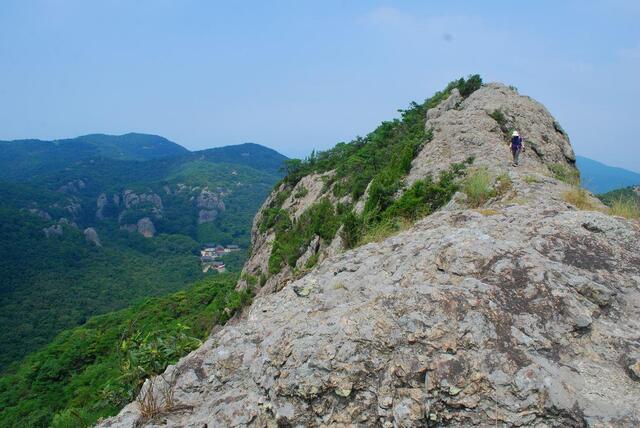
(522, 312)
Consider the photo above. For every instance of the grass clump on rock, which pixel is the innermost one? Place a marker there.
(579, 198)
(478, 187)
(626, 208)
(565, 174)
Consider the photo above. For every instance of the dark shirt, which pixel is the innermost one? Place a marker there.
(516, 141)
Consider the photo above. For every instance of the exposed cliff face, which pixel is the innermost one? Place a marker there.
(209, 205)
(304, 194)
(523, 312)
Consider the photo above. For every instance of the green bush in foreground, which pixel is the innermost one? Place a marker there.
(91, 371)
(426, 196)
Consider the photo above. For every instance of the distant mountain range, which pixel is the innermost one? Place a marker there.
(600, 178)
(22, 159)
(96, 222)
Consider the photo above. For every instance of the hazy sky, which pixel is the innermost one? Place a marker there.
(298, 75)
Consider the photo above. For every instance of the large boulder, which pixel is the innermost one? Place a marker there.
(91, 236)
(131, 199)
(101, 203)
(210, 205)
(146, 227)
(40, 213)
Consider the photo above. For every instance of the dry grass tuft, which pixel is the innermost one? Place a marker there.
(149, 402)
(157, 396)
(579, 198)
(488, 212)
(565, 173)
(503, 185)
(384, 230)
(626, 208)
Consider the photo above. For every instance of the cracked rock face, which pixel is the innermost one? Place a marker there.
(523, 313)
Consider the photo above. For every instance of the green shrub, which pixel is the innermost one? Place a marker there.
(478, 187)
(272, 214)
(388, 150)
(421, 199)
(352, 230)
(72, 417)
(293, 238)
(301, 192)
(382, 230)
(313, 260)
(470, 85)
(251, 280)
(499, 117)
(565, 173)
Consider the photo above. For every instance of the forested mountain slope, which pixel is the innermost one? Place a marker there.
(91, 371)
(97, 222)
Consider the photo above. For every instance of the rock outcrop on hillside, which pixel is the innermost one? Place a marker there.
(91, 236)
(523, 312)
(146, 227)
(129, 203)
(209, 205)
